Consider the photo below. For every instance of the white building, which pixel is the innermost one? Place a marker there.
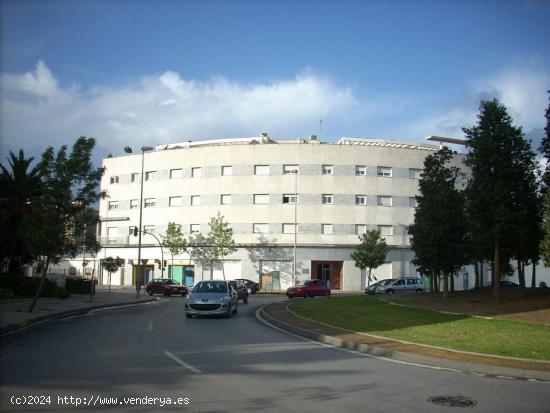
(341, 189)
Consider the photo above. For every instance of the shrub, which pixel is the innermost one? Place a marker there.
(29, 286)
(10, 282)
(61, 292)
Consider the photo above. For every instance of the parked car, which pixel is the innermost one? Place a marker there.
(406, 284)
(252, 286)
(242, 291)
(373, 288)
(503, 284)
(166, 286)
(214, 297)
(309, 288)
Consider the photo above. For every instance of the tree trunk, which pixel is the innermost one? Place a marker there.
(534, 275)
(496, 273)
(481, 277)
(44, 271)
(368, 277)
(521, 273)
(452, 278)
(445, 286)
(476, 270)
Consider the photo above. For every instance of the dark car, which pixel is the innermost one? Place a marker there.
(242, 291)
(252, 286)
(166, 286)
(309, 288)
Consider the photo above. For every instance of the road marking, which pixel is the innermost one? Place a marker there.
(181, 362)
(150, 326)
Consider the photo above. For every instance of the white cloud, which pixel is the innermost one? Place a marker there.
(522, 91)
(37, 111)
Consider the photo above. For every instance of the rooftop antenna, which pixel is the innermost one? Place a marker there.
(320, 127)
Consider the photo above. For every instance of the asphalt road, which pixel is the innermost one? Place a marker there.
(218, 365)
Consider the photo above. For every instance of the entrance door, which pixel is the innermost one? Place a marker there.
(176, 273)
(328, 271)
(148, 270)
(189, 275)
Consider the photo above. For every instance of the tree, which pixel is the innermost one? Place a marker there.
(502, 165)
(174, 240)
(71, 186)
(220, 239)
(112, 265)
(439, 230)
(370, 253)
(545, 150)
(19, 189)
(545, 243)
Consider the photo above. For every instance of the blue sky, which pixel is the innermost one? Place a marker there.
(152, 72)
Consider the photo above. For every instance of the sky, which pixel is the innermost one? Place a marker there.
(144, 72)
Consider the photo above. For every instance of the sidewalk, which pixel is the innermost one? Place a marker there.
(507, 367)
(14, 313)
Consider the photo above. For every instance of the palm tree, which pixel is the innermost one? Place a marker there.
(19, 186)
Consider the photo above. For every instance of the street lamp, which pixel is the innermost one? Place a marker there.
(140, 266)
(295, 172)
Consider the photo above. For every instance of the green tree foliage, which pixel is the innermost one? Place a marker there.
(439, 230)
(370, 253)
(545, 149)
(500, 198)
(220, 239)
(112, 265)
(174, 240)
(70, 182)
(20, 187)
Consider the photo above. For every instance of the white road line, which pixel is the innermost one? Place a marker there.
(181, 362)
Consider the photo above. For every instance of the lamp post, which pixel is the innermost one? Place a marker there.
(140, 266)
(161, 251)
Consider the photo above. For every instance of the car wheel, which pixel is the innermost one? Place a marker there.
(327, 295)
(236, 309)
(307, 295)
(150, 292)
(187, 315)
(183, 294)
(419, 291)
(229, 311)
(167, 294)
(389, 292)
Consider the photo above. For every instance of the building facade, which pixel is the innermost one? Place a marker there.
(295, 202)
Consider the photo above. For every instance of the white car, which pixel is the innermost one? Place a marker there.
(213, 297)
(406, 284)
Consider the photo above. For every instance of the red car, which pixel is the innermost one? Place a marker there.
(309, 288)
(166, 287)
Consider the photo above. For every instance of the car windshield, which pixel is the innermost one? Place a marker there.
(210, 287)
(171, 282)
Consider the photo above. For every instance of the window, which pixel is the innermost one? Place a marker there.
(149, 229)
(175, 201)
(360, 200)
(360, 170)
(290, 199)
(413, 203)
(114, 179)
(261, 198)
(134, 177)
(360, 229)
(384, 171)
(195, 228)
(113, 205)
(149, 176)
(260, 228)
(291, 169)
(384, 200)
(327, 199)
(326, 229)
(261, 169)
(196, 172)
(415, 173)
(134, 204)
(289, 228)
(176, 173)
(225, 199)
(227, 170)
(150, 202)
(385, 230)
(327, 169)
(195, 200)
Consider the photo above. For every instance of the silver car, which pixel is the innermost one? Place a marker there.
(213, 297)
(406, 284)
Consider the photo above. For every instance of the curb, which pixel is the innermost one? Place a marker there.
(406, 357)
(23, 325)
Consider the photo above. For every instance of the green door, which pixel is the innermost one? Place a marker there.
(177, 273)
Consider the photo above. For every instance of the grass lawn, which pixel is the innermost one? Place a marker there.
(368, 314)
